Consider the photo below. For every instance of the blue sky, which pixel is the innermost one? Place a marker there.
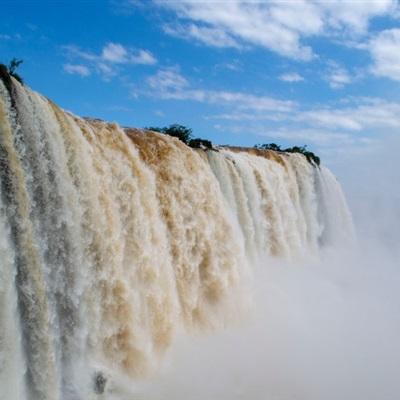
(325, 74)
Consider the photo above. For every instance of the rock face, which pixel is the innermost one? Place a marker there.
(100, 382)
(112, 240)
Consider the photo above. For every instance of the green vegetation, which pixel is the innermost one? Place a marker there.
(179, 131)
(184, 134)
(200, 143)
(11, 68)
(269, 146)
(311, 157)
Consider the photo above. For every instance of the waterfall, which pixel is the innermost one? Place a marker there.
(114, 240)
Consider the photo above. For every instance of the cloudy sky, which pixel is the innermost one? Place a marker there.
(322, 73)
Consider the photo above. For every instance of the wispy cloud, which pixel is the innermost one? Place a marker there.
(249, 115)
(8, 37)
(111, 57)
(118, 54)
(318, 137)
(125, 7)
(233, 65)
(291, 77)
(76, 52)
(211, 36)
(363, 114)
(168, 83)
(337, 76)
(143, 57)
(168, 80)
(76, 69)
(159, 113)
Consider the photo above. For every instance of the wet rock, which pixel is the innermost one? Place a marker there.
(100, 382)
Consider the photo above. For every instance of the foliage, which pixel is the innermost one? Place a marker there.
(198, 143)
(179, 131)
(154, 129)
(184, 134)
(311, 157)
(11, 68)
(14, 64)
(269, 146)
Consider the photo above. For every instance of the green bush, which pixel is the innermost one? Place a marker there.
(269, 146)
(198, 143)
(179, 131)
(311, 157)
(184, 134)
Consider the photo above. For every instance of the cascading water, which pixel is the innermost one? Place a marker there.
(113, 240)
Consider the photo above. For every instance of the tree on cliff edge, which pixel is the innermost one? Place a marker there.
(184, 134)
(179, 131)
(311, 157)
(11, 68)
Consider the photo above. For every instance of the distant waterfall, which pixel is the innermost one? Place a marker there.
(113, 240)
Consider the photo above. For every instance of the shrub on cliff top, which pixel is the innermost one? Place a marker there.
(311, 157)
(184, 134)
(198, 143)
(10, 70)
(179, 131)
(269, 146)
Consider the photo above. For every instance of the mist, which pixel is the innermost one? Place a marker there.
(323, 329)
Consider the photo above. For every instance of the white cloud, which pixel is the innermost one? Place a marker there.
(118, 54)
(143, 57)
(168, 79)
(279, 26)
(249, 22)
(112, 57)
(75, 52)
(246, 101)
(170, 84)
(363, 114)
(337, 76)
(353, 16)
(241, 115)
(211, 36)
(77, 69)
(331, 119)
(291, 77)
(385, 52)
(107, 71)
(114, 53)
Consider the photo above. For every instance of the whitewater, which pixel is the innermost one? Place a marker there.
(114, 242)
